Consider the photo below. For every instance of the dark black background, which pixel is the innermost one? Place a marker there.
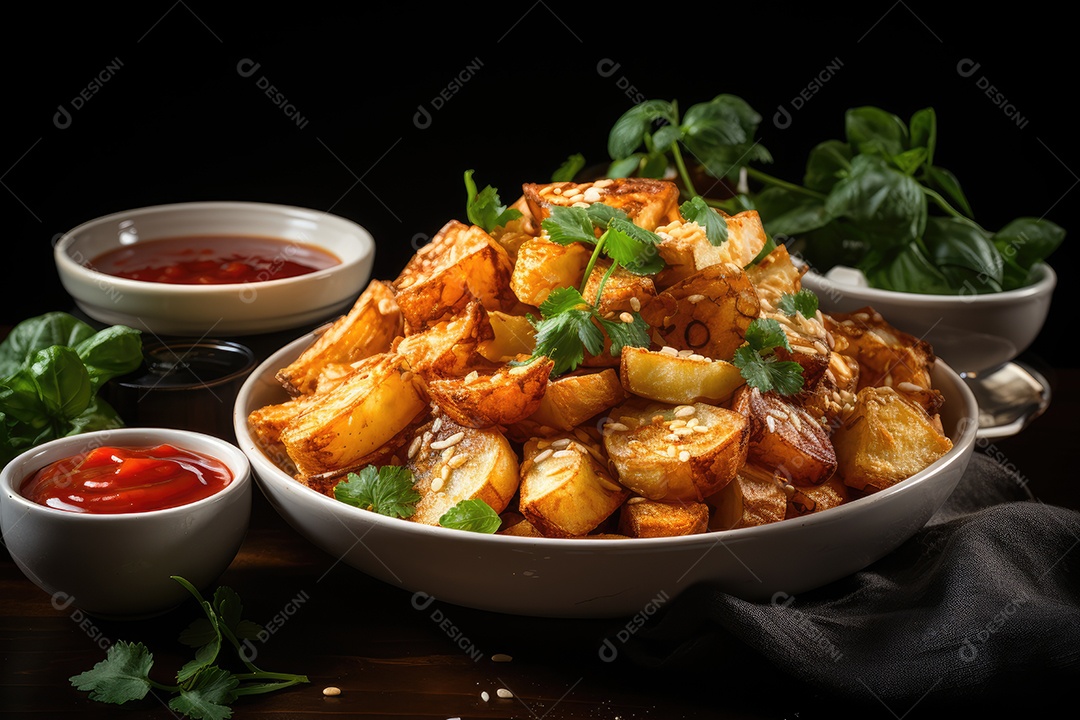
(174, 119)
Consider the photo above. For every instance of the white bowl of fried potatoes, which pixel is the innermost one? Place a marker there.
(604, 398)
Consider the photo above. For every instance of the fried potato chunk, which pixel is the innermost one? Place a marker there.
(462, 263)
(642, 518)
(354, 419)
(450, 347)
(543, 265)
(647, 202)
(369, 328)
(669, 377)
(672, 453)
(451, 463)
(707, 313)
(507, 395)
(785, 438)
(573, 399)
(886, 438)
(762, 496)
(816, 498)
(512, 336)
(566, 488)
(686, 249)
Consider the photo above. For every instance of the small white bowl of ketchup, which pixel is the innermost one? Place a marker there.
(217, 268)
(103, 521)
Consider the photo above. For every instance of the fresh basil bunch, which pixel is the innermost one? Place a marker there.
(875, 200)
(51, 370)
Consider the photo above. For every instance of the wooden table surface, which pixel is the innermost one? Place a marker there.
(391, 659)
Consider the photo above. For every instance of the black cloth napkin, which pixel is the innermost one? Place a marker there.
(981, 605)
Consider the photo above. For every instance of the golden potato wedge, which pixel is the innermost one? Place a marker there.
(451, 463)
(572, 399)
(505, 395)
(647, 202)
(725, 506)
(643, 518)
(763, 497)
(775, 275)
(367, 329)
(566, 489)
(356, 418)
(679, 379)
(543, 265)
(516, 524)
(623, 290)
(450, 347)
(686, 249)
(461, 264)
(672, 453)
(832, 396)
(785, 438)
(707, 313)
(268, 422)
(886, 438)
(887, 356)
(513, 336)
(816, 498)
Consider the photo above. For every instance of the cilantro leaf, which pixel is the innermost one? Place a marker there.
(474, 515)
(698, 211)
(633, 247)
(623, 334)
(387, 490)
(758, 363)
(123, 675)
(569, 169)
(567, 225)
(803, 302)
(566, 331)
(208, 696)
(484, 208)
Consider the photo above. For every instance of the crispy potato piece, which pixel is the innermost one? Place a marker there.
(514, 233)
(725, 506)
(369, 328)
(832, 396)
(658, 456)
(623, 291)
(543, 265)
(667, 377)
(504, 396)
(775, 275)
(462, 263)
(566, 489)
(451, 463)
(450, 347)
(816, 498)
(356, 418)
(572, 399)
(513, 336)
(785, 438)
(706, 313)
(514, 523)
(887, 356)
(686, 249)
(642, 518)
(646, 201)
(268, 422)
(885, 439)
(764, 499)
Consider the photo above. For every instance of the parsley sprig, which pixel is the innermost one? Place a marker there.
(203, 690)
(390, 490)
(758, 363)
(484, 207)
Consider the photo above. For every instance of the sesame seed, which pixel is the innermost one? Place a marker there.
(501, 657)
(668, 350)
(437, 425)
(771, 422)
(684, 456)
(696, 356)
(616, 427)
(387, 306)
(560, 443)
(414, 446)
(685, 411)
(677, 424)
(683, 431)
(471, 377)
(671, 452)
(906, 386)
(452, 440)
(635, 304)
(437, 483)
(591, 195)
(496, 377)
(695, 299)
(701, 428)
(671, 437)
(504, 693)
(796, 421)
(457, 461)
(331, 691)
(563, 453)
(692, 422)
(543, 456)
(448, 453)
(484, 695)
(626, 317)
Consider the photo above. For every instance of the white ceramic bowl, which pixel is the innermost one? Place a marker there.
(974, 334)
(578, 578)
(217, 309)
(119, 565)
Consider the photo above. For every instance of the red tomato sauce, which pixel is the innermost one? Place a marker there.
(114, 479)
(213, 260)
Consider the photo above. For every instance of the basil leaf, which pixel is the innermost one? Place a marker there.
(827, 163)
(964, 253)
(38, 333)
(883, 200)
(940, 179)
(114, 351)
(628, 132)
(922, 131)
(784, 212)
(473, 515)
(874, 131)
(907, 270)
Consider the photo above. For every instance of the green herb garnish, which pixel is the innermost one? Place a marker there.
(52, 368)
(876, 200)
(484, 208)
(387, 490)
(758, 363)
(473, 515)
(804, 302)
(203, 689)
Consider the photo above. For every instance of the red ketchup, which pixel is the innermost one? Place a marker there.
(111, 480)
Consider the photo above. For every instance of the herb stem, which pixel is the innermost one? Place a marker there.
(592, 262)
(603, 281)
(942, 203)
(268, 687)
(770, 180)
(684, 173)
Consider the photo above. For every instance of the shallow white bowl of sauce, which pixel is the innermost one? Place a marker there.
(215, 268)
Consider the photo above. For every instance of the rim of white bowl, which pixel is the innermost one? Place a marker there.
(963, 447)
(1044, 285)
(63, 258)
(237, 461)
